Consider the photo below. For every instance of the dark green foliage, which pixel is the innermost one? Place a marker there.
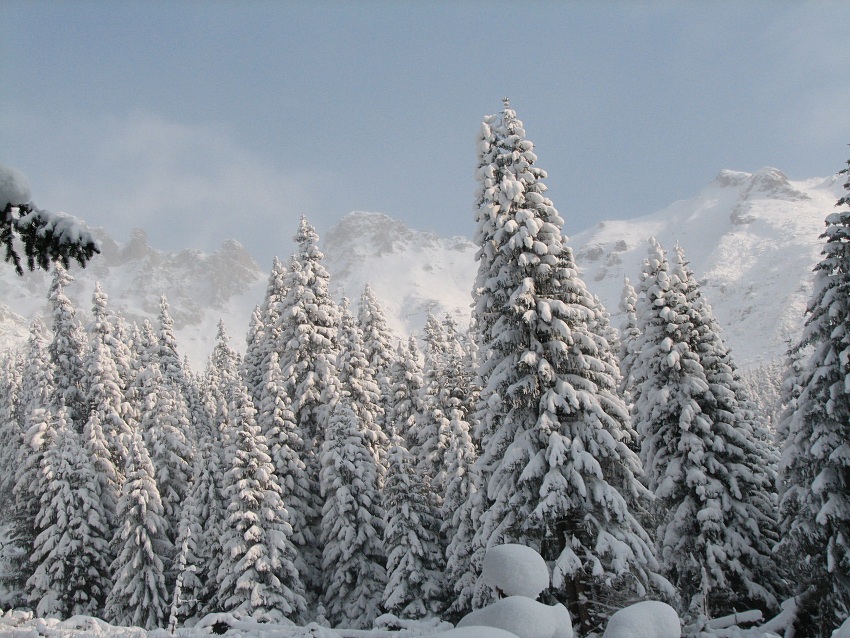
(46, 238)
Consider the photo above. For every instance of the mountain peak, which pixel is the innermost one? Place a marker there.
(774, 184)
(732, 178)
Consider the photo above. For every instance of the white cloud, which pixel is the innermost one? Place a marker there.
(187, 185)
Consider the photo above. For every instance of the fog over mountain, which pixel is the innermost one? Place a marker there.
(752, 240)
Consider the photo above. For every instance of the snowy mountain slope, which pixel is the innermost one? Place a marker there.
(201, 289)
(752, 240)
(411, 272)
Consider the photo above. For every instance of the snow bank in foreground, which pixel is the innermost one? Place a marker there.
(475, 632)
(647, 619)
(524, 617)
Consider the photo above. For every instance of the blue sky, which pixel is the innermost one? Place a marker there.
(203, 121)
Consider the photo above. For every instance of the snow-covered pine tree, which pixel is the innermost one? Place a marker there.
(446, 446)
(11, 427)
(139, 596)
(406, 373)
(688, 459)
(743, 448)
(307, 330)
(111, 330)
(169, 359)
(430, 432)
(357, 382)
(629, 339)
(221, 380)
(122, 351)
(257, 576)
(352, 531)
(200, 520)
(558, 472)
(37, 374)
(106, 424)
(455, 481)
(252, 362)
(815, 466)
(30, 486)
(27, 387)
(793, 373)
(415, 582)
(67, 349)
(455, 401)
(459, 456)
(164, 423)
(377, 346)
(71, 551)
(465, 552)
(46, 237)
(263, 336)
(174, 374)
(283, 438)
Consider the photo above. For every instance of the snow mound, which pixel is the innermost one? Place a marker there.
(14, 187)
(475, 632)
(515, 570)
(523, 617)
(647, 619)
(843, 631)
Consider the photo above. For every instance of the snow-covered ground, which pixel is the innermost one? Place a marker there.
(507, 568)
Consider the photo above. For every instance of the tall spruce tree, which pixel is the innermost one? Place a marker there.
(164, 423)
(11, 428)
(815, 505)
(263, 336)
(221, 381)
(406, 373)
(705, 456)
(106, 432)
(200, 521)
(747, 454)
(307, 328)
(176, 376)
(357, 382)
(378, 350)
(558, 472)
(352, 530)
(27, 396)
(30, 487)
(430, 429)
(71, 551)
(67, 349)
(257, 575)
(139, 596)
(283, 437)
(415, 581)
